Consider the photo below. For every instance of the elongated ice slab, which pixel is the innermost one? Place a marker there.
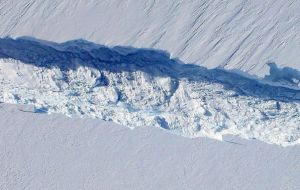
(141, 88)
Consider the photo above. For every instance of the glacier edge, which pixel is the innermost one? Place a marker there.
(144, 87)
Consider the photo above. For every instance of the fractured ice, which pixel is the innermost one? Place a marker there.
(145, 87)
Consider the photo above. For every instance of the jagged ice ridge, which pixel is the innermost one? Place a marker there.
(146, 88)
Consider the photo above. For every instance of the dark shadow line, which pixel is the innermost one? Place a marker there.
(72, 54)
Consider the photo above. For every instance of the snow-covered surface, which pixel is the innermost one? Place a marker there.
(167, 87)
(235, 34)
(40, 151)
(142, 87)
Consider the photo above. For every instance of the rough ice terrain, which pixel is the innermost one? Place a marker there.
(223, 69)
(234, 34)
(146, 88)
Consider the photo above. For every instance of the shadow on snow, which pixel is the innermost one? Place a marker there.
(71, 54)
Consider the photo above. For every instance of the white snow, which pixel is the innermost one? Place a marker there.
(49, 152)
(118, 78)
(147, 88)
(236, 34)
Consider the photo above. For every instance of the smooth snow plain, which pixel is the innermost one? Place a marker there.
(236, 34)
(145, 87)
(48, 152)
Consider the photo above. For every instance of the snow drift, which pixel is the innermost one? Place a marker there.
(145, 87)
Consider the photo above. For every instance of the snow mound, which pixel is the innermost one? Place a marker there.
(145, 87)
(237, 34)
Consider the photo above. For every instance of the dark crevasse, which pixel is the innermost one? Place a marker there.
(71, 54)
(145, 87)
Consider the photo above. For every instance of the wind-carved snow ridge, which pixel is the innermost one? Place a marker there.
(144, 87)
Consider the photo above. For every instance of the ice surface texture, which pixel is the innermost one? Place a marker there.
(145, 87)
(236, 34)
(53, 152)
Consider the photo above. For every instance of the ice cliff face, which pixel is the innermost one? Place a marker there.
(142, 87)
(235, 34)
